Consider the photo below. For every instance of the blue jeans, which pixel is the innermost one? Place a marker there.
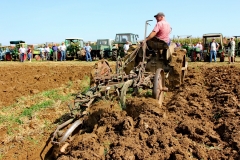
(213, 53)
(88, 56)
(63, 55)
(22, 57)
(0, 56)
(29, 56)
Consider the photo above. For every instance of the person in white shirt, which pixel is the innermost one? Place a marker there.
(213, 47)
(63, 48)
(199, 45)
(126, 48)
(47, 51)
(231, 51)
(22, 51)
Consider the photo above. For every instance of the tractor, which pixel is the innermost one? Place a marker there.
(102, 49)
(207, 38)
(186, 43)
(154, 65)
(74, 48)
(120, 40)
(14, 53)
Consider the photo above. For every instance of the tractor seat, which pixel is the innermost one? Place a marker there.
(157, 44)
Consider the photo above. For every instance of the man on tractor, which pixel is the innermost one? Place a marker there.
(160, 32)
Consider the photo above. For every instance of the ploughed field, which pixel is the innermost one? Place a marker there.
(199, 120)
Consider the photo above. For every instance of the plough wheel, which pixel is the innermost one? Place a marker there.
(124, 93)
(184, 69)
(159, 86)
(70, 130)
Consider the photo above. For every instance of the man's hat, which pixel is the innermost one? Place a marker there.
(160, 14)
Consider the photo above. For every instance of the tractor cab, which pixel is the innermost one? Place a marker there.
(124, 37)
(207, 38)
(69, 41)
(120, 40)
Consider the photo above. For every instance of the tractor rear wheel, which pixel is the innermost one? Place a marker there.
(159, 86)
(178, 68)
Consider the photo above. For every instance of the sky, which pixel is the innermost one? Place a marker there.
(54, 20)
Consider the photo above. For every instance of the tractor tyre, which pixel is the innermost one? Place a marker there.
(178, 69)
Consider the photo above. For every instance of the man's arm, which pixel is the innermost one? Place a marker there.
(151, 35)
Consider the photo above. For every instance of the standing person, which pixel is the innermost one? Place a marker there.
(161, 31)
(126, 48)
(47, 51)
(41, 49)
(29, 54)
(213, 47)
(55, 52)
(88, 52)
(231, 50)
(1, 51)
(63, 48)
(199, 45)
(22, 51)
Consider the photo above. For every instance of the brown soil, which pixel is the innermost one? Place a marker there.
(200, 120)
(25, 79)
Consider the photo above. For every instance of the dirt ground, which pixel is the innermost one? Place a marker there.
(19, 79)
(200, 120)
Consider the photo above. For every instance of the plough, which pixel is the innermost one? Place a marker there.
(149, 66)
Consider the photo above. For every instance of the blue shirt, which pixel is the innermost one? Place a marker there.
(54, 48)
(87, 48)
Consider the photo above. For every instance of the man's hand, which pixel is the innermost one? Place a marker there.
(144, 42)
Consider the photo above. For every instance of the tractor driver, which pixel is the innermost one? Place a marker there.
(161, 30)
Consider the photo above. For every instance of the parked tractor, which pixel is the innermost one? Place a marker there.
(207, 38)
(101, 49)
(186, 44)
(74, 48)
(14, 50)
(154, 65)
(120, 40)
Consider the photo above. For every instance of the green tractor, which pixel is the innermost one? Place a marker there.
(74, 48)
(102, 49)
(14, 50)
(120, 40)
(186, 41)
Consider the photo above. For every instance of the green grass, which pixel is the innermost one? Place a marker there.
(32, 140)
(85, 84)
(28, 112)
(54, 95)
